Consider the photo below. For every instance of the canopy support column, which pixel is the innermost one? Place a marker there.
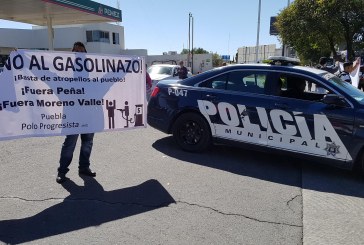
(50, 33)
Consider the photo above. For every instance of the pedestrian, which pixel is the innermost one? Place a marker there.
(348, 68)
(69, 145)
(323, 66)
(182, 71)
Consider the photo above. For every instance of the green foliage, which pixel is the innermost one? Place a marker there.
(216, 60)
(184, 51)
(315, 27)
(200, 51)
(195, 51)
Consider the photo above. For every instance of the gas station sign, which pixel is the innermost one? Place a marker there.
(90, 7)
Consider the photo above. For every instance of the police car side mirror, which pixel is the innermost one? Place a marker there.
(334, 100)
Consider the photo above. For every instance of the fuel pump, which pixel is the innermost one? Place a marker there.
(138, 116)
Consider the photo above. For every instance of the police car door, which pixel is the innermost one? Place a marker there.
(233, 106)
(301, 123)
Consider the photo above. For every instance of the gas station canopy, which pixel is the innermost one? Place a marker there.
(59, 12)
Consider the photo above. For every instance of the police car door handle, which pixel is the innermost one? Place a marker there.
(211, 97)
(282, 105)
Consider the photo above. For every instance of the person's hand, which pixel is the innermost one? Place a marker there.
(357, 62)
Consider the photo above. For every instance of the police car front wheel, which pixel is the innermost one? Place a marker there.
(191, 132)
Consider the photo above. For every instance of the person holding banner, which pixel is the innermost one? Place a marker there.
(345, 75)
(69, 145)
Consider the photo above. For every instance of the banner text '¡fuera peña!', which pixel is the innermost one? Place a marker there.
(78, 64)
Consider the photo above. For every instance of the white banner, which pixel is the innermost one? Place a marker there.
(354, 75)
(61, 93)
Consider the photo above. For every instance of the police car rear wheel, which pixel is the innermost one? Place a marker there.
(359, 165)
(191, 132)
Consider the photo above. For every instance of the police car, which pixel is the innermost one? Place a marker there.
(294, 110)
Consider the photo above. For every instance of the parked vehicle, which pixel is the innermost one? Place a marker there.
(161, 72)
(264, 107)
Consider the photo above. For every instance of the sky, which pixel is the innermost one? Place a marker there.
(218, 26)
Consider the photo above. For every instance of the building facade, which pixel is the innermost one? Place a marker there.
(102, 38)
(98, 38)
(248, 54)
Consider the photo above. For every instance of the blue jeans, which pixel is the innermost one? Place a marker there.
(68, 148)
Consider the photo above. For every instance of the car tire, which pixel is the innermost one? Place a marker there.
(359, 164)
(191, 132)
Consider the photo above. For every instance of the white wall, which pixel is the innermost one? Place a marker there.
(138, 52)
(248, 54)
(201, 62)
(64, 38)
(12, 38)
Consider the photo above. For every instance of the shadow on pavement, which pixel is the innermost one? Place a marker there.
(86, 206)
(270, 167)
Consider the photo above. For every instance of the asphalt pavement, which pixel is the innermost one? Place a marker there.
(147, 191)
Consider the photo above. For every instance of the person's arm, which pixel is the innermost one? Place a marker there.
(357, 63)
(336, 67)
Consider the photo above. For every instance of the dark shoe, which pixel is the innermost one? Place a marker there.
(87, 172)
(61, 178)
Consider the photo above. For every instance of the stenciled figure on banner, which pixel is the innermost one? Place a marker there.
(110, 106)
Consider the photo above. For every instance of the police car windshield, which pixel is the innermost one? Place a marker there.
(349, 89)
(160, 70)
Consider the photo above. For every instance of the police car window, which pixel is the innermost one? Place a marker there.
(218, 82)
(246, 81)
(349, 89)
(301, 88)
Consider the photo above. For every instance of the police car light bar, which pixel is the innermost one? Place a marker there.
(282, 60)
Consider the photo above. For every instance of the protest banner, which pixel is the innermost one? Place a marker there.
(60, 93)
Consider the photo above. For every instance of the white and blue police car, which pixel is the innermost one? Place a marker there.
(289, 109)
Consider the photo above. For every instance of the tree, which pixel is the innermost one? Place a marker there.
(216, 60)
(350, 15)
(200, 51)
(184, 51)
(195, 51)
(315, 27)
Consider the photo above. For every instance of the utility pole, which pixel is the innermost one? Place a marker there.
(118, 7)
(258, 29)
(192, 48)
(189, 39)
(283, 46)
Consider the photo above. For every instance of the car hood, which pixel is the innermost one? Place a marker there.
(169, 81)
(158, 77)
